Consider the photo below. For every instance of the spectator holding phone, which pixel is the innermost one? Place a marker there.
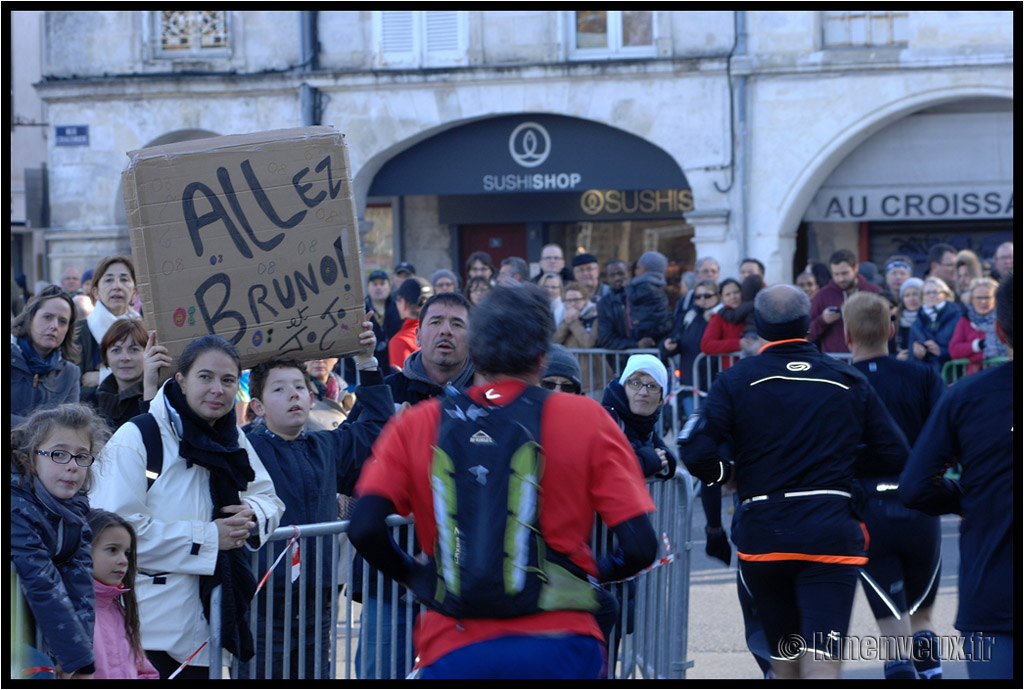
(826, 316)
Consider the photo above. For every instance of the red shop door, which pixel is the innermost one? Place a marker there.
(500, 241)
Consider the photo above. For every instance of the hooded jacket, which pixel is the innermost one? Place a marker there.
(114, 656)
(51, 547)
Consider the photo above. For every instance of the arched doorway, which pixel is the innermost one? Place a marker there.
(941, 173)
(512, 183)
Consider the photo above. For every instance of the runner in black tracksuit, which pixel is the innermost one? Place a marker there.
(803, 426)
(901, 577)
(974, 424)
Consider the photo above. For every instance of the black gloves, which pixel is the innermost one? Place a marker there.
(717, 545)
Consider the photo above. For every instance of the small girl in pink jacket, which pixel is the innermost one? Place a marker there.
(116, 641)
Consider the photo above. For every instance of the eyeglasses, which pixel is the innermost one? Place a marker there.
(564, 387)
(707, 295)
(637, 384)
(63, 457)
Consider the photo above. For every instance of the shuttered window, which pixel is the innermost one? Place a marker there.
(420, 38)
(857, 29)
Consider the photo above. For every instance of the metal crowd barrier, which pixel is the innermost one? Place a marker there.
(655, 617)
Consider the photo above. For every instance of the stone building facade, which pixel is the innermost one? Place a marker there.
(778, 135)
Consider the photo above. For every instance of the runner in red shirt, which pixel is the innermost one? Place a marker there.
(588, 467)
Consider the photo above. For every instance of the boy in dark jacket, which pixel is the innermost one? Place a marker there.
(309, 471)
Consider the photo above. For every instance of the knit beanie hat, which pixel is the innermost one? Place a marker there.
(561, 362)
(911, 282)
(444, 273)
(649, 364)
(655, 262)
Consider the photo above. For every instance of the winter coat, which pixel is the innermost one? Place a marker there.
(177, 539)
(940, 330)
(310, 471)
(115, 658)
(722, 338)
(974, 343)
(29, 392)
(51, 547)
(831, 337)
(639, 311)
(583, 334)
(640, 431)
(117, 406)
(687, 332)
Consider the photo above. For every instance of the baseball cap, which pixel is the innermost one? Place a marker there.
(405, 267)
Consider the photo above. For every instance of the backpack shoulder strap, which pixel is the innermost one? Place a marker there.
(154, 446)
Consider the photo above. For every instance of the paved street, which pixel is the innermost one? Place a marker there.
(716, 642)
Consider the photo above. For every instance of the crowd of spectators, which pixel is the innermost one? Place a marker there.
(83, 343)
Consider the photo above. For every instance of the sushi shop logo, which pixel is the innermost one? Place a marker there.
(529, 144)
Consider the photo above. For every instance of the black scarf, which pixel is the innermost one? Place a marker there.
(216, 448)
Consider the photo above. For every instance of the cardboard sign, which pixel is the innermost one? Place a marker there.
(251, 237)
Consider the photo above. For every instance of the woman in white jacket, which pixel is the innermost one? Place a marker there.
(211, 497)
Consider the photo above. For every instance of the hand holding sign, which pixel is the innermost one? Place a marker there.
(154, 359)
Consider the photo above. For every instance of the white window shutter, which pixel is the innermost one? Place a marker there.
(398, 44)
(444, 38)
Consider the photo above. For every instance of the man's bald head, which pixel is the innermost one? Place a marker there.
(782, 312)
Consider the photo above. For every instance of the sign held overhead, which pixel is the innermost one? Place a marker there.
(252, 237)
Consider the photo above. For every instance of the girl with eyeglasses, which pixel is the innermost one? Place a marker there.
(51, 545)
(44, 369)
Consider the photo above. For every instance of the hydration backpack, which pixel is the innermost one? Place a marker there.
(490, 558)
